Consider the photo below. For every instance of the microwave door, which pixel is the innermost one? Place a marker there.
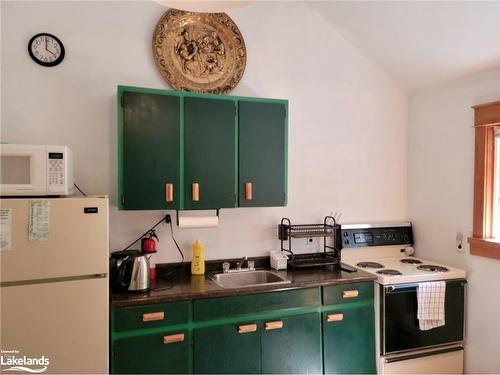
(23, 172)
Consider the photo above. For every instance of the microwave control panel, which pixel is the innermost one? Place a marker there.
(366, 235)
(56, 168)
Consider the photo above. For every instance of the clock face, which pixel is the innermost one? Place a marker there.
(46, 49)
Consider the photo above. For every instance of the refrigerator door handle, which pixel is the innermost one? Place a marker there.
(4, 284)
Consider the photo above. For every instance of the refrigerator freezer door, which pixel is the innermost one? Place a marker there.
(67, 322)
(77, 244)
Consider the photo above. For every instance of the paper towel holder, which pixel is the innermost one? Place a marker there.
(177, 215)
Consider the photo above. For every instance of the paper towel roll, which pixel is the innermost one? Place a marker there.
(198, 222)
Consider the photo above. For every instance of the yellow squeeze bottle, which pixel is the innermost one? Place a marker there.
(198, 261)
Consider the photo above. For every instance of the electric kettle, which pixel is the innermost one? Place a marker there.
(129, 271)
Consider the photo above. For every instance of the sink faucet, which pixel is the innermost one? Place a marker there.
(241, 262)
(226, 266)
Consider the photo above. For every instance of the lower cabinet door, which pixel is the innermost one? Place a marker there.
(292, 345)
(152, 354)
(230, 348)
(349, 341)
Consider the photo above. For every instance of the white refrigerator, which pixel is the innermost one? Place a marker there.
(54, 285)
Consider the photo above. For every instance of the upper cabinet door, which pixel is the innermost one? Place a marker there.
(151, 151)
(209, 153)
(262, 154)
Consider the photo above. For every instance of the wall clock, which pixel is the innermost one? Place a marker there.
(46, 49)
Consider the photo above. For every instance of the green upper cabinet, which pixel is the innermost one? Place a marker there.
(262, 154)
(182, 150)
(151, 151)
(209, 153)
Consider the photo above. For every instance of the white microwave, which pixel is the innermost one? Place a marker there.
(35, 170)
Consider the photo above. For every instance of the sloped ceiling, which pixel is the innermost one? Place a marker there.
(420, 44)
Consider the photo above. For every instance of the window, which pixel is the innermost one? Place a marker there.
(485, 240)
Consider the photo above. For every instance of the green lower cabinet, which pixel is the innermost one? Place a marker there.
(349, 340)
(292, 345)
(158, 353)
(228, 349)
(281, 332)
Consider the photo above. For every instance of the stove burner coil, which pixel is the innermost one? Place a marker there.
(411, 261)
(369, 265)
(389, 272)
(432, 268)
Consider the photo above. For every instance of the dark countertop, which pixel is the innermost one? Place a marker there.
(182, 287)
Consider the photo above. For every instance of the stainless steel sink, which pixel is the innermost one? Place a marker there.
(248, 278)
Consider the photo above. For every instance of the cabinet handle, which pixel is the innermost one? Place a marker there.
(248, 191)
(278, 324)
(169, 192)
(154, 316)
(247, 328)
(195, 191)
(335, 317)
(170, 339)
(350, 293)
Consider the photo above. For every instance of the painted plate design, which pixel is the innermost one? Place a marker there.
(199, 52)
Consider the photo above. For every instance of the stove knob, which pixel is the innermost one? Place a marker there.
(409, 250)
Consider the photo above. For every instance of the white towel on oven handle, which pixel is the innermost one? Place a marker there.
(430, 298)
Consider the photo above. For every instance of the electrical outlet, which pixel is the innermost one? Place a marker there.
(311, 243)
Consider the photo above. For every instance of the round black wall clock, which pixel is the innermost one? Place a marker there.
(46, 49)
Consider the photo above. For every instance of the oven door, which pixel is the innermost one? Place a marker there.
(399, 323)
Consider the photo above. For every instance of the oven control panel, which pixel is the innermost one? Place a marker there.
(362, 235)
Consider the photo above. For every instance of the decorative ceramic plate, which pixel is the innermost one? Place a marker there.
(200, 52)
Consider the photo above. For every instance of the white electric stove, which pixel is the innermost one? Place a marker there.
(385, 250)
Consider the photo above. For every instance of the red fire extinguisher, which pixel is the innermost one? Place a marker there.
(148, 245)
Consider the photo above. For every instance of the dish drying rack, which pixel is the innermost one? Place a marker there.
(330, 254)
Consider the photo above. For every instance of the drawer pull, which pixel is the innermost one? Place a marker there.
(195, 191)
(169, 192)
(247, 328)
(278, 324)
(170, 339)
(248, 191)
(335, 317)
(153, 317)
(350, 293)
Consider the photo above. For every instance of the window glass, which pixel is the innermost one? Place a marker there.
(496, 199)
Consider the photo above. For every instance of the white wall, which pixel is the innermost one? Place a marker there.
(440, 195)
(347, 128)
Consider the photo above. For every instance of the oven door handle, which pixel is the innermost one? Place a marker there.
(402, 287)
(410, 287)
(421, 355)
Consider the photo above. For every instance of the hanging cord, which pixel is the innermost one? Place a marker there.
(166, 275)
(80, 190)
(176, 244)
(164, 218)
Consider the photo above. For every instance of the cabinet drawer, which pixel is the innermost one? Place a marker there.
(160, 353)
(347, 293)
(150, 316)
(218, 308)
